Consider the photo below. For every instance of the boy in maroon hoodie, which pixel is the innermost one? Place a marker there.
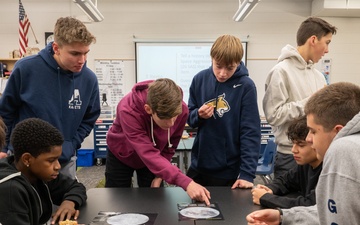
(143, 138)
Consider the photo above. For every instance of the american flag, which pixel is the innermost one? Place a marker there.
(24, 25)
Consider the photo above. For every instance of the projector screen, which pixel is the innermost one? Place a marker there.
(179, 61)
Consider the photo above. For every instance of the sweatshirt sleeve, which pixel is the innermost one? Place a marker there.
(193, 119)
(14, 205)
(10, 103)
(65, 188)
(250, 134)
(277, 107)
(275, 201)
(301, 215)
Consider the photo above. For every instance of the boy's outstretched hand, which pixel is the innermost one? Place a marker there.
(65, 211)
(264, 217)
(198, 192)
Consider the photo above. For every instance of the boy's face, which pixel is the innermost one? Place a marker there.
(223, 72)
(71, 57)
(321, 47)
(303, 152)
(319, 138)
(46, 166)
(164, 123)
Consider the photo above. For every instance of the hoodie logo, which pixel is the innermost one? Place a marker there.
(75, 101)
(221, 107)
(236, 85)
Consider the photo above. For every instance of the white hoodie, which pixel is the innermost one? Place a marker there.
(287, 88)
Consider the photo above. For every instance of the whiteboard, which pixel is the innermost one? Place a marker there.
(179, 61)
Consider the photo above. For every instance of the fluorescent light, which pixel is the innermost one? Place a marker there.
(90, 9)
(245, 9)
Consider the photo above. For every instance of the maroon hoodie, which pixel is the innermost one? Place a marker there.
(131, 138)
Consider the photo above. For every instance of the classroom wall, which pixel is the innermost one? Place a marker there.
(271, 26)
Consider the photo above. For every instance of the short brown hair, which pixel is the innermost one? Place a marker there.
(313, 26)
(227, 49)
(69, 30)
(335, 104)
(298, 129)
(165, 98)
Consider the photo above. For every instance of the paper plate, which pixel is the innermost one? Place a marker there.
(199, 212)
(128, 219)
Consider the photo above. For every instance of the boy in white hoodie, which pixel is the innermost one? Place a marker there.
(292, 81)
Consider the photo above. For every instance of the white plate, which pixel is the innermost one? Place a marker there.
(199, 212)
(128, 219)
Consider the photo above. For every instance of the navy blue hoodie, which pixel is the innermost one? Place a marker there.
(39, 88)
(226, 145)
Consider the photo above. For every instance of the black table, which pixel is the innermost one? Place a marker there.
(234, 204)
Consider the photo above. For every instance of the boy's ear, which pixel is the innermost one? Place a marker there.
(26, 158)
(338, 127)
(148, 109)
(312, 39)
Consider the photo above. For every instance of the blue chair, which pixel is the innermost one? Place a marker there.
(266, 163)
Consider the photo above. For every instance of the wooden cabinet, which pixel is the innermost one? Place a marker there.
(9, 63)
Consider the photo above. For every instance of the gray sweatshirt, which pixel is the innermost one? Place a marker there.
(338, 188)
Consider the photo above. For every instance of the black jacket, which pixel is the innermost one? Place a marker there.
(301, 180)
(25, 204)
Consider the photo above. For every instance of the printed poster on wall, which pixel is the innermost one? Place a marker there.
(111, 75)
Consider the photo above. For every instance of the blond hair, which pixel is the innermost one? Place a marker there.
(227, 49)
(69, 30)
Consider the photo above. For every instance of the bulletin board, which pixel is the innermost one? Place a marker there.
(113, 77)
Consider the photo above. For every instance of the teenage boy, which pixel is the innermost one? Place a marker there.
(148, 127)
(333, 119)
(56, 86)
(30, 181)
(223, 106)
(292, 81)
(300, 181)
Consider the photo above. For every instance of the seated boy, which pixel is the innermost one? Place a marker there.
(30, 181)
(302, 179)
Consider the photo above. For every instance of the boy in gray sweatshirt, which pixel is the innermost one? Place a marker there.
(333, 119)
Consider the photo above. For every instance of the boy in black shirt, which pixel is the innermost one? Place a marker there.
(301, 180)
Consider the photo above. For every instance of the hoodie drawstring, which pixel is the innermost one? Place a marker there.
(152, 134)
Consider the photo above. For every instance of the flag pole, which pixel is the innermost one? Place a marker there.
(36, 40)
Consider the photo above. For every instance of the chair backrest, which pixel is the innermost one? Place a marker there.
(269, 152)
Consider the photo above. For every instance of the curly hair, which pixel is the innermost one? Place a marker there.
(298, 129)
(69, 30)
(34, 136)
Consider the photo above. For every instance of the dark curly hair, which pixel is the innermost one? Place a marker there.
(34, 136)
(298, 129)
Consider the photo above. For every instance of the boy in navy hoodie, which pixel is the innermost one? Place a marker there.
(56, 86)
(223, 106)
